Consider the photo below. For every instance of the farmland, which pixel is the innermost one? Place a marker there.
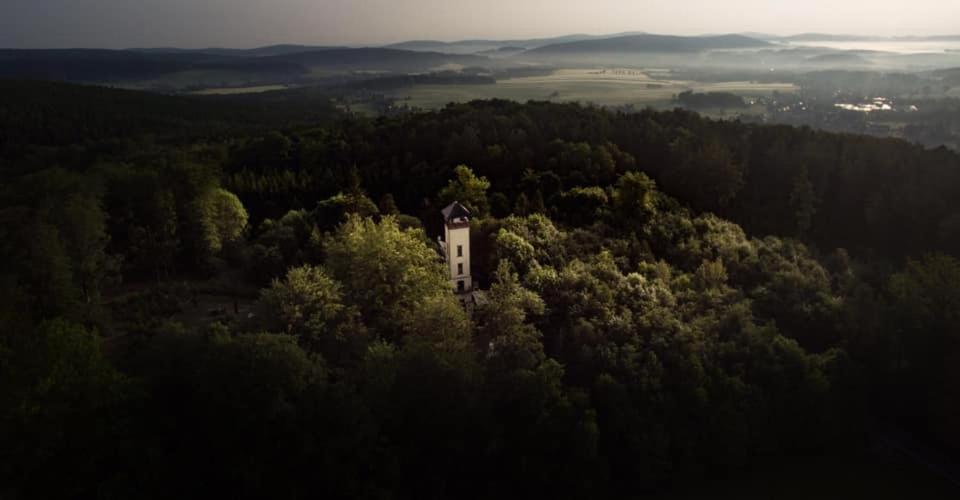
(608, 87)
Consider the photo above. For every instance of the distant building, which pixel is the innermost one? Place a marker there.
(455, 246)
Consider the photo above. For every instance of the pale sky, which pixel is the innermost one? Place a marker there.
(249, 23)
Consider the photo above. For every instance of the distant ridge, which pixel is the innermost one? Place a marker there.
(376, 58)
(828, 37)
(486, 45)
(501, 51)
(420, 45)
(759, 36)
(651, 44)
(267, 51)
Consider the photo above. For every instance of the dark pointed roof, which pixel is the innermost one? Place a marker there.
(455, 211)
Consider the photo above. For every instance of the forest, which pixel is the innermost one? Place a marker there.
(669, 298)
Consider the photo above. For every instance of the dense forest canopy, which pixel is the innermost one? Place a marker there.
(257, 308)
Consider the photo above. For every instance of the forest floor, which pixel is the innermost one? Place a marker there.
(210, 308)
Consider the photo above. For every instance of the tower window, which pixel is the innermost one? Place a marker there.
(461, 286)
(460, 269)
(459, 250)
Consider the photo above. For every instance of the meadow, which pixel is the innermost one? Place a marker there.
(608, 87)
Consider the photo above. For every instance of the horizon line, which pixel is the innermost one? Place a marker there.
(749, 34)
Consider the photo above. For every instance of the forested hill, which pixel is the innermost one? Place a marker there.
(261, 311)
(864, 194)
(49, 122)
(837, 191)
(101, 65)
(282, 64)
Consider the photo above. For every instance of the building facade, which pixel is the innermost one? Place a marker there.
(456, 246)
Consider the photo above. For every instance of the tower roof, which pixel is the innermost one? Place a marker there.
(455, 211)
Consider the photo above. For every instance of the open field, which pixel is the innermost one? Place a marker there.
(604, 87)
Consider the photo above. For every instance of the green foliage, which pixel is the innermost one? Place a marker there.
(309, 305)
(47, 273)
(927, 290)
(226, 395)
(58, 394)
(625, 341)
(710, 275)
(709, 177)
(292, 240)
(468, 189)
(85, 230)
(923, 325)
(634, 199)
(385, 271)
(388, 206)
(583, 206)
(441, 324)
(40, 117)
(333, 211)
(425, 401)
(499, 205)
(804, 201)
(514, 342)
(222, 219)
(515, 250)
(56, 243)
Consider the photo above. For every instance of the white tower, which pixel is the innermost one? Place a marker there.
(456, 246)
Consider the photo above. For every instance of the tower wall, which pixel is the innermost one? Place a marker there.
(458, 236)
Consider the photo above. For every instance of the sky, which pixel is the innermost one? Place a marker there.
(251, 23)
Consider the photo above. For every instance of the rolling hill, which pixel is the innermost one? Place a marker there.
(40, 114)
(379, 59)
(827, 37)
(114, 66)
(482, 46)
(176, 69)
(650, 44)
